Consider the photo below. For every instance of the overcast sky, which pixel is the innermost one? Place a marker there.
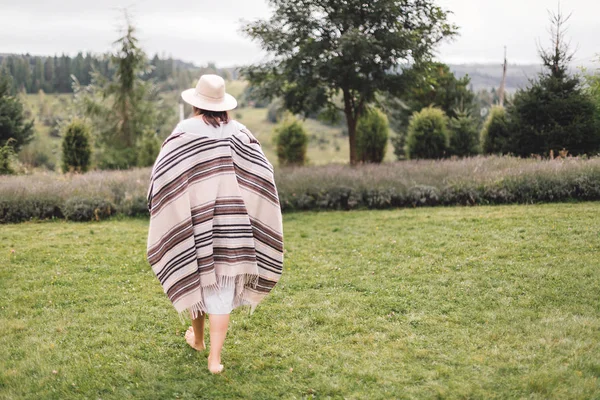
(208, 30)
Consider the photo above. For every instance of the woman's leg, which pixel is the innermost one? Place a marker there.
(195, 333)
(218, 324)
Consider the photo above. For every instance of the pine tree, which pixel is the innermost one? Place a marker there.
(554, 112)
(13, 126)
(122, 107)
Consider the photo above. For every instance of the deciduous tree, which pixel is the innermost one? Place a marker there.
(340, 53)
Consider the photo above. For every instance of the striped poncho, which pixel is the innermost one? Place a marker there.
(215, 220)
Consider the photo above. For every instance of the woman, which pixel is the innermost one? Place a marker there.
(215, 240)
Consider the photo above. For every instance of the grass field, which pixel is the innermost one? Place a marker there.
(480, 302)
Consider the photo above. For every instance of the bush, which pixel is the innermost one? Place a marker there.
(291, 141)
(37, 154)
(18, 209)
(148, 149)
(464, 138)
(372, 133)
(495, 134)
(7, 153)
(468, 181)
(428, 135)
(76, 148)
(87, 209)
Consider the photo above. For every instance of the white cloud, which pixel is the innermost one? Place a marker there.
(209, 30)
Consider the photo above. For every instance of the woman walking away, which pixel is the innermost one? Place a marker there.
(215, 240)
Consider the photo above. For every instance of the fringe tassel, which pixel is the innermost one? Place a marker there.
(240, 282)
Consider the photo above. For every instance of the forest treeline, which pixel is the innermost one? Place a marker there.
(53, 74)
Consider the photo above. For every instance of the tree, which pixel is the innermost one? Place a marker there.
(495, 134)
(372, 133)
(12, 119)
(437, 86)
(7, 153)
(554, 112)
(291, 142)
(38, 75)
(76, 147)
(428, 135)
(324, 50)
(592, 81)
(148, 149)
(464, 138)
(122, 107)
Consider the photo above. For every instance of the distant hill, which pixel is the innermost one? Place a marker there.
(176, 73)
(487, 76)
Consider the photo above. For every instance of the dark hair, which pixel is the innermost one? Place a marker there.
(213, 118)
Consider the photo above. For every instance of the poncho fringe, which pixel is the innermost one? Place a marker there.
(215, 220)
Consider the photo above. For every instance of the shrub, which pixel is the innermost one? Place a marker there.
(87, 209)
(495, 135)
(18, 209)
(291, 141)
(76, 148)
(148, 149)
(428, 135)
(7, 153)
(464, 138)
(372, 133)
(468, 181)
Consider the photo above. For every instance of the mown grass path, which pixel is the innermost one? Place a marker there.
(481, 302)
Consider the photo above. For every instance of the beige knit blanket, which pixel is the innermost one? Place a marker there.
(215, 220)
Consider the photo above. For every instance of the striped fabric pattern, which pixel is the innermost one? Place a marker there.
(215, 220)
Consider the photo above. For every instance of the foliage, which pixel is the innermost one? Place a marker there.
(291, 142)
(7, 153)
(428, 135)
(372, 133)
(86, 209)
(412, 183)
(12, 118)
(148, 149)
(123, 107)
(592, 80)
(436, 86)
(464, 137)
(53, 74)
(495, 135)
(76, 147)
(554, 112)
(324, 51)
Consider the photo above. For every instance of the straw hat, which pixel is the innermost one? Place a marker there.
(209, 94)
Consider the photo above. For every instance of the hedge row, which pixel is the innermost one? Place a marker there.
(472, 181)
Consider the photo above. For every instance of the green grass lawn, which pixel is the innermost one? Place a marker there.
(482, 302)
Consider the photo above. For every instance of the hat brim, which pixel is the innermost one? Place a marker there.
(228, 102)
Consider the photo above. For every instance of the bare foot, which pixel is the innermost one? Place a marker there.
(190, 338)
(215, 366)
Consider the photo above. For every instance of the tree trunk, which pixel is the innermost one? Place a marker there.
(351, 122)
(352, 139)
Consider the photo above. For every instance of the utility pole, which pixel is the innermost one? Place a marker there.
(503, 83)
